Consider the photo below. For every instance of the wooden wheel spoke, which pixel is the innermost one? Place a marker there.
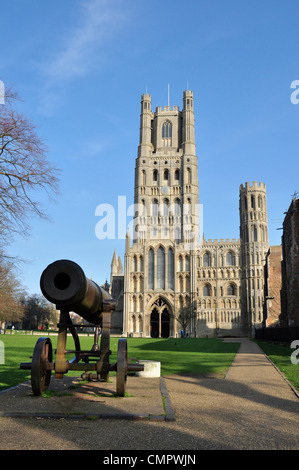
(40, 371)
(122, 367)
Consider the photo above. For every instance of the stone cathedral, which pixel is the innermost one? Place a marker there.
(169, 267)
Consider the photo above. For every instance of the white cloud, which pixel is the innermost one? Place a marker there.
(82, 49)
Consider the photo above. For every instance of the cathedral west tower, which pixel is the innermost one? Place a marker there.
(166, 223)
(166, 174)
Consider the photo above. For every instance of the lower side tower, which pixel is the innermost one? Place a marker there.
(254, 248)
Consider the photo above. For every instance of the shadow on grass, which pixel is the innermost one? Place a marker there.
(203, 356)
(204, 345)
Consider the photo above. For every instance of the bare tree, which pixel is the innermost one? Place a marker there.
(185, 316)
(11, 308)
(24, 170)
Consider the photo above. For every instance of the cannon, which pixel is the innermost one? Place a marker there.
(64, 284)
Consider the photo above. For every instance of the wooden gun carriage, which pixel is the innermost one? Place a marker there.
(64, 283)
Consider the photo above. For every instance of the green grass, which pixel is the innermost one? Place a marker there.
(17, 349)
(281, 357)
(208, 356)
(186, 355)
(177, 356)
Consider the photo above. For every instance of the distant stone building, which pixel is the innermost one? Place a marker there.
(272, 300)
(168, 263)
(290, 266)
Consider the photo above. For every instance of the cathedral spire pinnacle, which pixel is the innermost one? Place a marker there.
(114, 261)
(128, 240)
(119, 266)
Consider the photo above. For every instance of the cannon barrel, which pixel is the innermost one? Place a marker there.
(65, 284)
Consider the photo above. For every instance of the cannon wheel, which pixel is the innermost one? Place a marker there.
(122, 367)
(40, 372)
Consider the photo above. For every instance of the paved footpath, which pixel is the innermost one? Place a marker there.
(253, 408)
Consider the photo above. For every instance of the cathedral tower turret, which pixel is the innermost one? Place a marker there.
(254, 247)
(145, 126)
(188, 134)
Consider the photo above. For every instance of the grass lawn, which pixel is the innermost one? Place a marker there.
(281, 356)
(208, 356)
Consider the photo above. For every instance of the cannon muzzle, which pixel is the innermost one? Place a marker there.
(65, 284)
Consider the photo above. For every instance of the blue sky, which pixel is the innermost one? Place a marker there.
(81, 67)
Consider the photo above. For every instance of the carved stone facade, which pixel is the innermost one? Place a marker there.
(168, 263)
(290, 266)
(273, 287)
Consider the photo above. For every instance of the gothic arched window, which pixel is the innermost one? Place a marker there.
(230, 261)
(181, 264)
(155, 208)
(207, 259)
(134, 284)
(165, 207)
(207, 290)
(167, 130)
(170, 269)
(231, 289)
(151, 269)
(177, 207)
(155, 175)
(187, 263)
(188, 206)
(160, 268)
(177, 175)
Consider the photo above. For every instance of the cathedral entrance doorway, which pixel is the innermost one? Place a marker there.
(160, 319)
(155, 323)
(165, 323)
